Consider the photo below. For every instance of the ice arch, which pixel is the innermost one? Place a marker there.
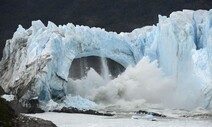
(90, 42)
(69, 42)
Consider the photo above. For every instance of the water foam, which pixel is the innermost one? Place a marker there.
(144, 83)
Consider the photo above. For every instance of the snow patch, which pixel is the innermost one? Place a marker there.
(8, 97)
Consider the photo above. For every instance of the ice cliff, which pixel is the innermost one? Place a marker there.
(36, 61)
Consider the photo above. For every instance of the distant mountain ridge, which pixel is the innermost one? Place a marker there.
(113, 15)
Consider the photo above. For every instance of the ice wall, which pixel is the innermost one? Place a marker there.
(36, 61)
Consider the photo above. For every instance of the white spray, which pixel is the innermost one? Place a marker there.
(143, 83)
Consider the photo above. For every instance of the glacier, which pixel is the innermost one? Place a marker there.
(36, 61)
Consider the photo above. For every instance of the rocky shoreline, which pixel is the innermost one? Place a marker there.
(11, 118)
(11, 115)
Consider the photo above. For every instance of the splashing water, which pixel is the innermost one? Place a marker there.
(142, 85)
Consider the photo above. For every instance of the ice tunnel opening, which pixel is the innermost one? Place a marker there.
(105, 67)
